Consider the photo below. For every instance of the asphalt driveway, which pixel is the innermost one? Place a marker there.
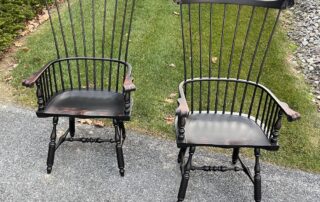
(86, 172)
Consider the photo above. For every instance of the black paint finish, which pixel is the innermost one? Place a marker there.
(221, 100)
(79, 83)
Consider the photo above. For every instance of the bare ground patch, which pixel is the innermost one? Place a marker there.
(7, 63)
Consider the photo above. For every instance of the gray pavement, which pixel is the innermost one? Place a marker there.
(85, 172)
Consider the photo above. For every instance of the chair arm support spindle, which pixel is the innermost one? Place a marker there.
(128, 84)
(182, 112)
(183, 109)
(39, 97)
(181, 124)
(290, 113)
(127, 102)
(276, 128)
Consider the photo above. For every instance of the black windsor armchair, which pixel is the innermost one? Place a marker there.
(221, 100)
(90, 77)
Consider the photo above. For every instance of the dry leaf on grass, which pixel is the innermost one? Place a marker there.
(214, 60)
(12, 66)
(44, 17)
(173, 95)
(25, 49)
(176, 13)
(24, 33)
(8, 78)
(17, 44)
(172, 65)
(98, 124)
(33, 24)
(30, 28)
(85, 121)
(169, 100)
(169, 119)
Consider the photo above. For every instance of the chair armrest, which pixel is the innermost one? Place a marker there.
(290, 113)
(128, 81)
(183, 109)
(128, 84)
(35, 76)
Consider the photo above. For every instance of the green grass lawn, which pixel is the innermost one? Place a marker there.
(156, 43)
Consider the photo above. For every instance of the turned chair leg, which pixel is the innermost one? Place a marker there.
(257, 177)
(123, 131)
(52, 145)
(235, 155)
(181, 160)
(186, 176)
(72, 127)
(119, 151)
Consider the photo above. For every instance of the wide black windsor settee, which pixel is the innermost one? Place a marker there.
(222, 102)
(90, 78)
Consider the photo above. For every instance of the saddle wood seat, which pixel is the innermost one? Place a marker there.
(86, 103)
(223, 130)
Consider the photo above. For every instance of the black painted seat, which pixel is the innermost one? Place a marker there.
(86, 103)
(223, 130)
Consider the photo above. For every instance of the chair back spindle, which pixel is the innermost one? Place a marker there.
(83, 29)
(225, 44)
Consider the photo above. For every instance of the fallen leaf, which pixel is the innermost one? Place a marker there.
(214, 60)
(176, 13)
(30, 27)
(85, 121)
(24, 33)
(169, 100)
(25, 49)
(169, 119)
(34, 23)
(17, 44)
(173, 95)
(98, 124)
(15, 65)
(44, 17)
(172, 65)
(8, 78)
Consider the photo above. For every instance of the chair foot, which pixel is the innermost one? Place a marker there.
(49, 169)
(52, 146)
(119, 129)
(185, 176)
(50, 159)
(183, 186)
(120, 159)
(121, 171)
